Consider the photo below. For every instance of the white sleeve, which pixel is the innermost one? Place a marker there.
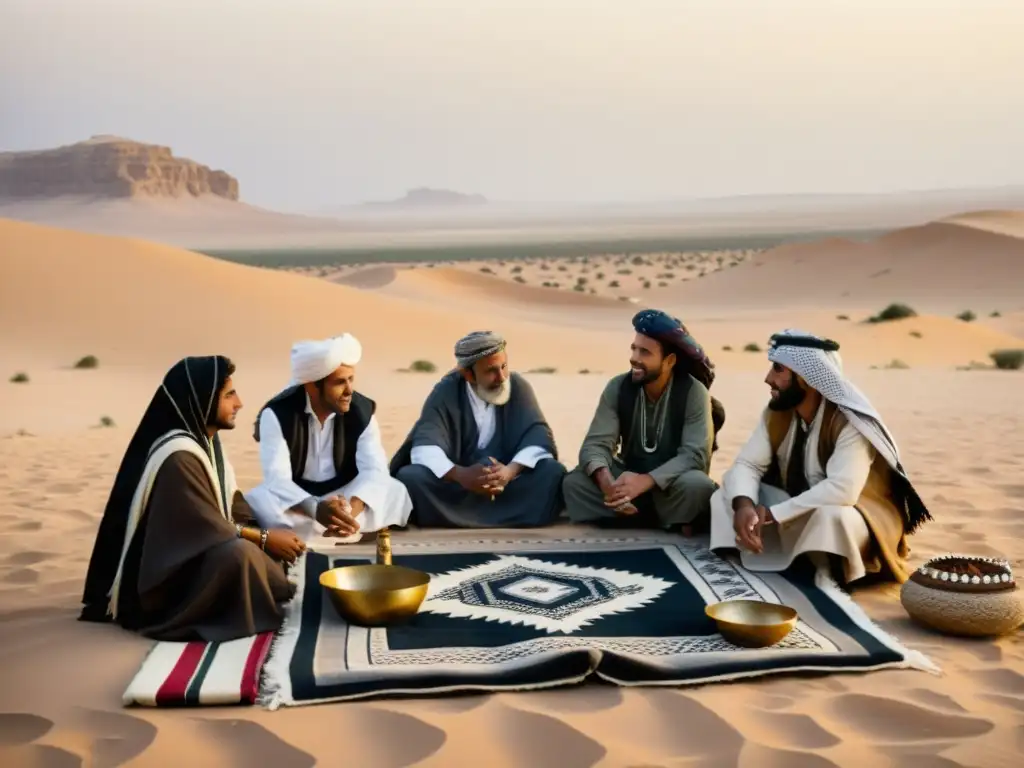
(371, 467)
(846, 474)
(433, 458)
(743, 478)
(271, 500)
(530, 455)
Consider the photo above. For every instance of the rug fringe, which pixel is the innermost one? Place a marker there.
(912, 659)
(274, 677)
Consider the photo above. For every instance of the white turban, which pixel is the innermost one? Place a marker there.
(313, 360)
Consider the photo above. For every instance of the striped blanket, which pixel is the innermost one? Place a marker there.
(200, 673)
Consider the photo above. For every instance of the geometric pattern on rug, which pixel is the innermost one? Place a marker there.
(511, 611)
(555, 597)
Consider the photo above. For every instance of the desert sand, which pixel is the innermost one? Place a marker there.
(138, 307)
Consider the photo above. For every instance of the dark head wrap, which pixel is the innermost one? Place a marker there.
(186, 400)
(671, 332)
(477, 346)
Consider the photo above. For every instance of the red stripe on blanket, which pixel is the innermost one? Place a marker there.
(174, 687)
(253, 664)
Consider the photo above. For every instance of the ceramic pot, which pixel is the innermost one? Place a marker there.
(964, 595)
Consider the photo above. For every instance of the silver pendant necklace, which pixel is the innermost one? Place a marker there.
(659, 418)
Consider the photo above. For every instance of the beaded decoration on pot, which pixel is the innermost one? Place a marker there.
(1000, 573)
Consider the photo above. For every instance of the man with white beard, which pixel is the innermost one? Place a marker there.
(481, 454)
(324, 467)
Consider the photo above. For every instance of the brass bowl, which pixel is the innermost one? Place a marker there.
(751, 623)
(375, 595)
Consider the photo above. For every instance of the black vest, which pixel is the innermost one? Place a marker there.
(668, 446)
(673, 434)
(290, 410)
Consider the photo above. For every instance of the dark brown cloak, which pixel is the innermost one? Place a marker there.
(188, 575)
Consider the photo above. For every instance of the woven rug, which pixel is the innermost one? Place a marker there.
(514, 611)
(199, 673)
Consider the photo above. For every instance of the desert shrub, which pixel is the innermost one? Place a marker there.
(519, 279)
(916, 334)
(516, 270)
(19, 378)
(579, 288)
(842, 317)
(1008, 359)
(897, 365)
(89, 361)
(599, 275)
(422, 366)
(613, 284)
(727, 348)
(106, 421)
(967, 316)
(996, 313)
(752, 347)
(893, 312)
(647, 283)
(545, 369)
(487, 270)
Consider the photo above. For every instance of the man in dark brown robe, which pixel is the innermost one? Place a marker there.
(176, 557)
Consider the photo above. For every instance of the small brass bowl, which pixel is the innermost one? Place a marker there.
(375, 595)
(751, 623)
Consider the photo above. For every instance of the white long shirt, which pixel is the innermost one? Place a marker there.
(279, 493)
(485, 415)
(841, 486)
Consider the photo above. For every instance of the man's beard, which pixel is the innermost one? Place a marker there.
(788, 398)
(646, 377)
(219, 424)
(497, 396)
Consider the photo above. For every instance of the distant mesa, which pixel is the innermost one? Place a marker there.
(425, 197)
(109, 167)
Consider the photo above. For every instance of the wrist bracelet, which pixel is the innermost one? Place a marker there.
(238, 529)
(263, 539)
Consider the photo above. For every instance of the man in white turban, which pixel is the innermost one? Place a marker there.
(820, 476)
(324, 466)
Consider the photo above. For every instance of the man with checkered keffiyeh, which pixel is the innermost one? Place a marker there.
(820, 477)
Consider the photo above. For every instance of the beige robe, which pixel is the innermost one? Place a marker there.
(847, 511)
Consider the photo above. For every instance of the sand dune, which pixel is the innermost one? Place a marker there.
(118, 298)
(1001, 222)
(944, 268)
(138, 306)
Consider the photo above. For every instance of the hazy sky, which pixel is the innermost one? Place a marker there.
(315, 103)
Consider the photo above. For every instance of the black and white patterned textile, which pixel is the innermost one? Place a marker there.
(516, 612)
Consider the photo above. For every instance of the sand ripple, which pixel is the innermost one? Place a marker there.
(22, 728)
(243, 742)
(892, 720)
(117, 737)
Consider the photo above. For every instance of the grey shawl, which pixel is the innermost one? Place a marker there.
(447, 421)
